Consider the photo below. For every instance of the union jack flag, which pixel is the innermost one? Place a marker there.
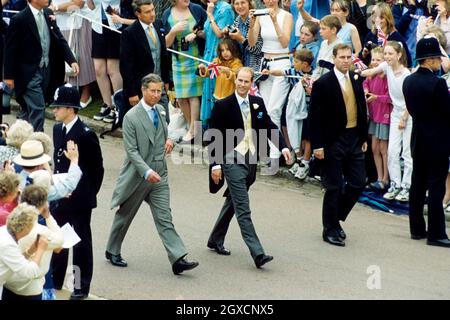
(381, 37)
(358, 63)
(254, 91)
(213, 70)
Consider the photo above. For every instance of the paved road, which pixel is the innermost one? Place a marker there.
(287, 217)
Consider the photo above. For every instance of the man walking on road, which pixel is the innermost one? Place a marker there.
(338, 136)
(143, 177)
(235, 160)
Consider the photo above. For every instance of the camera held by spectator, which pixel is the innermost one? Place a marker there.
(184, 44)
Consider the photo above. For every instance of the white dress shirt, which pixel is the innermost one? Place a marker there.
(150, 26)
(35, 13)
(341, 77)
(70, 124)
(148, 109)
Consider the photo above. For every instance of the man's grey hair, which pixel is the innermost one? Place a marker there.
(150, 78)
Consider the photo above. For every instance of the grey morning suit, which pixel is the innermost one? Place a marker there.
(144, 145)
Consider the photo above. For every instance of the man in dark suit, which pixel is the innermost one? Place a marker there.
(428, 102)
(338, 136)
(239, 129)
(35, 52)
(143, 51)
(76, 209)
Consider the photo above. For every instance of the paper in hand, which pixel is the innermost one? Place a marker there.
(71, 238)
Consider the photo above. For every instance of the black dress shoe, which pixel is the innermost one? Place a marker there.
(439, 243)
(78, 295)
(334, 241)
(219, 249)
(262, 259)
(116, 259)
(332, 237)
(419, 236)
(341, 233)
(182, 265)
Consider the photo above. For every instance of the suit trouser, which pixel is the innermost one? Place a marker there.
(157, 197)
(343, 175)
(237, 202)
(32, 100)
(274, 91)
(430, 173)
(83, 260)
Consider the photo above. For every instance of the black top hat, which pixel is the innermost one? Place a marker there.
(66, 96)
(428, 48)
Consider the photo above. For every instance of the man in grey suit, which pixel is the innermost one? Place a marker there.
(143, 177)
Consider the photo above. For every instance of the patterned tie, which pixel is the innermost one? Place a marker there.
(152, 36)
(155, 117)
(245, 108)
(42, 35)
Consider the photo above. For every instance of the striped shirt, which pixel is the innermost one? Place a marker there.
(251, 56)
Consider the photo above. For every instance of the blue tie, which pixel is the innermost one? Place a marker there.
(245, 108)
(155, 117)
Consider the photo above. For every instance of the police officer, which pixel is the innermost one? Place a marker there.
(428, 102)
(76, 209)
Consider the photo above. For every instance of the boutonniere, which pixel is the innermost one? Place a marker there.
(52, 17)
(255, 106)
(163, 113)
(260, 115)
(356, 76)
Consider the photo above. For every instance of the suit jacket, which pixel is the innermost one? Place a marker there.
(136, 59)
(23, 51)
(227, 115)
(138, 140)
(90, 162)
(428, 101)
(328, 115)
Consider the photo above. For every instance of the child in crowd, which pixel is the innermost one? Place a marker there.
(348, 32)
(308, 39)
(401, 123)
(228, 62)
(329, 27)
(298, 102)
(380, 108)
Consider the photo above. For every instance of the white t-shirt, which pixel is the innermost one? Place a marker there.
(395, 84)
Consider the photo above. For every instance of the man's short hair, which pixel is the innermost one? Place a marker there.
(137, 4)
(304, 55)
(341, 46)
(247, 69)
(150, 78)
